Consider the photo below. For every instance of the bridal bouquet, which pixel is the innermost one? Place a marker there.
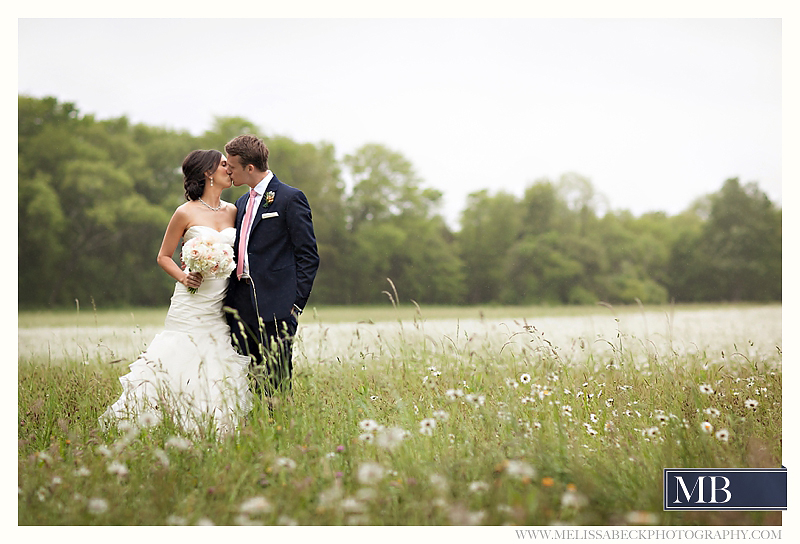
(210, 257)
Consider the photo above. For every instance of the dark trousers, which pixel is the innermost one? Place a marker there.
(269, 347)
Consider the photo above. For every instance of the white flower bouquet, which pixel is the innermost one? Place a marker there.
(210, 257)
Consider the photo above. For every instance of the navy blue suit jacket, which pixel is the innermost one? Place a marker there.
(282, 252)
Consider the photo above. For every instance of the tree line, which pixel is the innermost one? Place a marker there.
(95, 197)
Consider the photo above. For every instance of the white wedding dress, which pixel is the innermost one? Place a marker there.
(190, 371)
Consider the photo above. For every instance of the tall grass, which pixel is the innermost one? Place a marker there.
(432, 430)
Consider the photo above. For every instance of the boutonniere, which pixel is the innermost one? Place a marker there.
(269, 197)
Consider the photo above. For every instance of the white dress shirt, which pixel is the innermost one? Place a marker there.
(261, 188)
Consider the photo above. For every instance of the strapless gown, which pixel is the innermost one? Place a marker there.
(190, 371)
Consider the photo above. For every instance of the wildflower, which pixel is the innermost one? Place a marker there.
(652, 432)
(473, 399)
(520, 469)
(527, 400)
(593, 418)
(525, 378)
(148, 419)
(453, 394)
(436, 373)
(205, 522)
(713, 412)
(567, 409)
(176, 520)
(547, 481)
(752, 404)
(373, 397)
(178, 442)
(368, 425)
(572, 499)
(427, 425)
(591, 431)
(56, 480)
(461, 516)
(439, 483)
(103, 450)
(285, 520)
(537, 425)
(477, 487)
(707, 427)
(97, 506)
(662, 418)
(162, 457)
(255, 506)
(366, 437)
(511, 382)
(115, 467)
(82, 471)
(370, 473)
(706, 389)
(722, 435)
(126, 426)
(41, 494)
(285, 463)
(441, 415)
(389, 439)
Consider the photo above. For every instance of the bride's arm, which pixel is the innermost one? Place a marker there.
(175, 229)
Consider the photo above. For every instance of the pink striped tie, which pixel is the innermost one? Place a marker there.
(244, 234)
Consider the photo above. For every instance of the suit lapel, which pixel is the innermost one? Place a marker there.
(259, 209)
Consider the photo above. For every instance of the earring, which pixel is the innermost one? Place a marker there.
(212, 181)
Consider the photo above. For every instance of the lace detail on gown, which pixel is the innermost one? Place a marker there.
(190, 371)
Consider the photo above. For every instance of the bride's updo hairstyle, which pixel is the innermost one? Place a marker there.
(195, 166)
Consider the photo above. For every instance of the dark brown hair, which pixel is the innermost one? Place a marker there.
(250, 149)
(195, 166)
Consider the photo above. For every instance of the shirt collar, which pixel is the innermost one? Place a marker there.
(261, 187)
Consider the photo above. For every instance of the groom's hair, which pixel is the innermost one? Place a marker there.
(250, 149)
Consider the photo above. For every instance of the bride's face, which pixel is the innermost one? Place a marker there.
(220, 175)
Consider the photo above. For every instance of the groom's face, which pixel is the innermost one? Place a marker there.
(236, 171)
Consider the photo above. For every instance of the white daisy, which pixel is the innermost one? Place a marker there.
(115, 467)
(476, 487)
(707, 427)
(752, 404)
(453, 394)
(722, 435)
(525, 378)
(368, 425)
(97, 506)
(284, 463)
(370, 473)
(255, 506)
(706, 389)
(178, 442)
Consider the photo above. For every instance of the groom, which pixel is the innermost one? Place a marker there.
(276, 261)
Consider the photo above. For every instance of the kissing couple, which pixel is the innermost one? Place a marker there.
(234, 312)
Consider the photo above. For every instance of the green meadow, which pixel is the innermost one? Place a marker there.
(395, 419)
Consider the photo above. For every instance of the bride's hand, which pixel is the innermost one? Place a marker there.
(193, 280)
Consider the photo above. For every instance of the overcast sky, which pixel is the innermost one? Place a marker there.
(654, 112)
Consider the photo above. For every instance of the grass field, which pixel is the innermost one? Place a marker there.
(420, 423)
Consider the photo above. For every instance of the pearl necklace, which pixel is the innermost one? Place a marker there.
(218, 208)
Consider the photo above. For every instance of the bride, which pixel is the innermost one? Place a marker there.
(190, 371)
